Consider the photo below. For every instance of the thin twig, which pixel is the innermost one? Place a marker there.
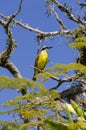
(66, 79)
(68, 12)
(57, 18)
(80, 4)
(15, 14)
(19, 9)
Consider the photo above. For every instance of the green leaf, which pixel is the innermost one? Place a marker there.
(78, 110)
(54, 94)
(77, 126)
(69, 114)
(79, 43)
(70, 108)
(53, 125)
(9, 125)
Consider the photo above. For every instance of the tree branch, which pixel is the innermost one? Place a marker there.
(57, 18)
(14, 71)
(11, 44)
(75, 90)
(66, 79)
(41, 34)
(68, 12)
(10, 18)
(80, 4)
(12, 68)
(10, 47)
(19, 9)
(4, 56)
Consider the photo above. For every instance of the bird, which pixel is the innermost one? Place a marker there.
(41, 60)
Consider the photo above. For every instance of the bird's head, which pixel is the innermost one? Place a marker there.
(45, 48)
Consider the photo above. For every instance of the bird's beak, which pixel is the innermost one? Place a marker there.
(50, 47)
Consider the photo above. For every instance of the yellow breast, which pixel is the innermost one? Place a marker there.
(42, 60)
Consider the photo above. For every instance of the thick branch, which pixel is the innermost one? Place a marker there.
(75, 90)
(39, 32)
(14, 71)
(10, 47)
(11, 44)
(44, 34)
(3, 23)
(12, 68)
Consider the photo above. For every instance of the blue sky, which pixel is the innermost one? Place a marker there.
(33, 13)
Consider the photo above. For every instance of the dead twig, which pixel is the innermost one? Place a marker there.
(80, 4)
(69, 13)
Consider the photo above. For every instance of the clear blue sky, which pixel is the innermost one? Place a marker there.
(33, 13)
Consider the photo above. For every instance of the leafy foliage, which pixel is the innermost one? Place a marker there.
(62, 70)
(39, 106)
(79, 43)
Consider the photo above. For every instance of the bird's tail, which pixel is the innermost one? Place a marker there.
(23, 91)
(34, 78)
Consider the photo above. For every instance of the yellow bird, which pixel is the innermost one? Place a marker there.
(41, 60)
